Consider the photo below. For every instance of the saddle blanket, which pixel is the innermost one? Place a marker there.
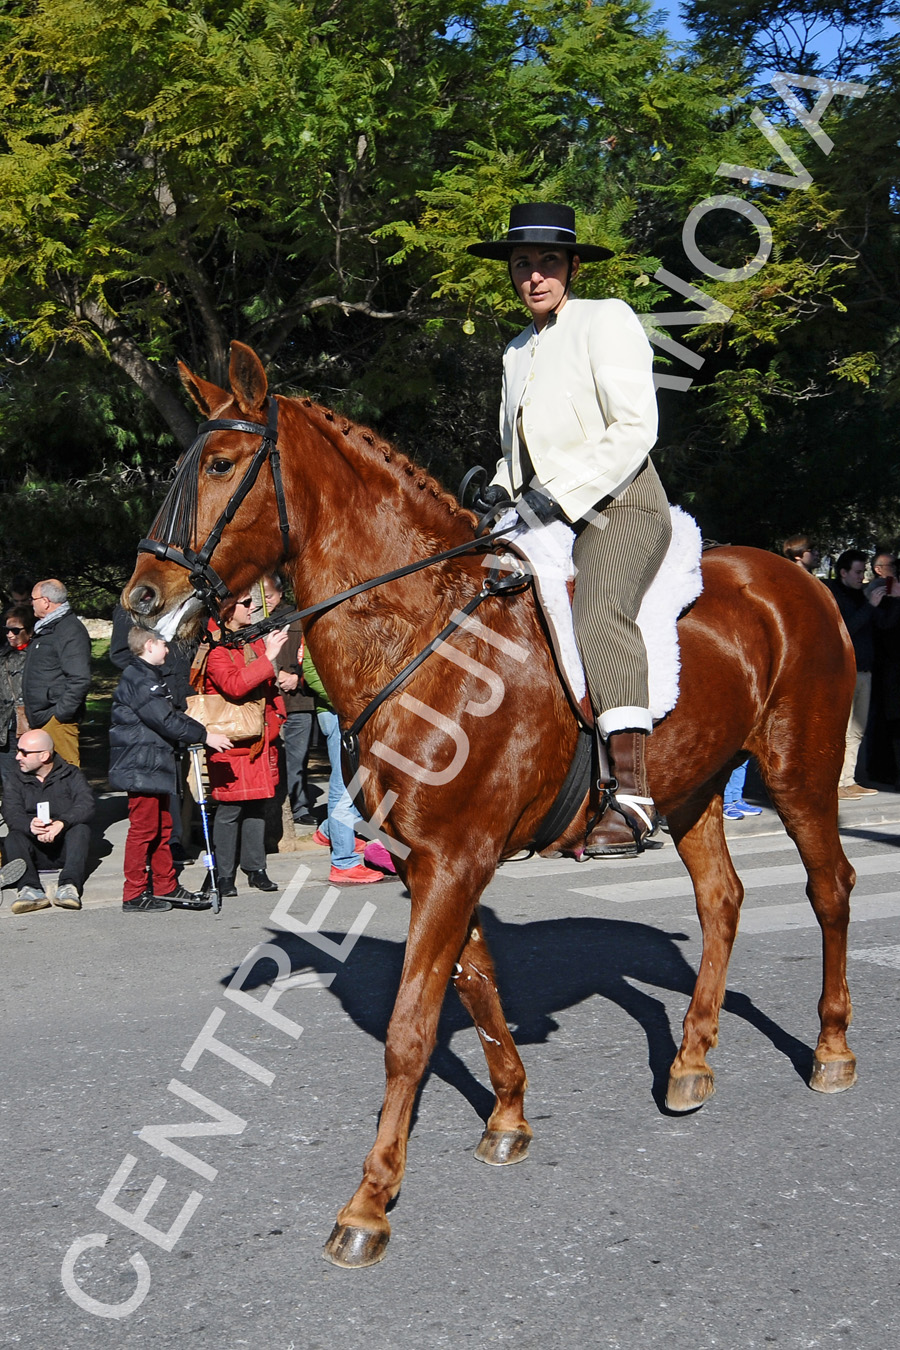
(548, 552)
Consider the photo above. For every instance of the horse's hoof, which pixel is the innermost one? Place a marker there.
(689, 1091)
(355, 1247)
(500, 1147)
(832, 1075)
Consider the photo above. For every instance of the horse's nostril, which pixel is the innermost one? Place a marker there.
(143, 599)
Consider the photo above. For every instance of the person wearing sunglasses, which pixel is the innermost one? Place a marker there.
(244, 778)
(18, 625)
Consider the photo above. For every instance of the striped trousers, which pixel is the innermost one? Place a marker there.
(617, 554)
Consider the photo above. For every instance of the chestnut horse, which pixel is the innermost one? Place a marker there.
(465, 780)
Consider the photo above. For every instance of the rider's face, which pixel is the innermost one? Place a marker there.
(539, 274)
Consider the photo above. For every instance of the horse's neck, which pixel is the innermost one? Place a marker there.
(365, 519)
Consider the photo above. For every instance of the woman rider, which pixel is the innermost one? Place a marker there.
(577, 423)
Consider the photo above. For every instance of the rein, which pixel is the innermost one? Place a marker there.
(207, 583)
(178, 517)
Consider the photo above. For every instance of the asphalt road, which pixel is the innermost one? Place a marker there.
(770, 1218)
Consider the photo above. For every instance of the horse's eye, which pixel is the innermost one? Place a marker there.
(219, 466)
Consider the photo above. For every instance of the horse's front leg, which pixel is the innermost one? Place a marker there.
(508, 1133)
(442, 904)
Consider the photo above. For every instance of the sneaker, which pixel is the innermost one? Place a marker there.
(324, 842)
(731, 812)
(855, 790)
(305, 819)
(12, 871)
(354, 876)
(746, 809)
(181, 898)
(145, 904)
(376, 855)
(67, 897)
(30, 899)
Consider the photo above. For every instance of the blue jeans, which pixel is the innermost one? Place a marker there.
(342, 814)
(734, 788)
(296, 734)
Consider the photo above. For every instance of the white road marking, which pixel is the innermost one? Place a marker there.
(781, 918)
(754, 845)
(787, 874)
(879, 956)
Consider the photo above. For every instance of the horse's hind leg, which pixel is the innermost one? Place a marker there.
(718, 892)
(508, 1133)
(807, 803)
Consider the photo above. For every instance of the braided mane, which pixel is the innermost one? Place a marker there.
(373, 449)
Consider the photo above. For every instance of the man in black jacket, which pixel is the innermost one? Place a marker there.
(57, 674)
(48, 805)
(861, 613)
(145, 730)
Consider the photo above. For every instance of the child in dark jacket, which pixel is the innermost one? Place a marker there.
(145, 731)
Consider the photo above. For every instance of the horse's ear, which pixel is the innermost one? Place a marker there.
(208, 397)
(247, 377)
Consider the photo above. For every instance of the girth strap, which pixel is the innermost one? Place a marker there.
(570, 796)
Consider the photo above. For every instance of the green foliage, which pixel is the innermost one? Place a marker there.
(306, 177)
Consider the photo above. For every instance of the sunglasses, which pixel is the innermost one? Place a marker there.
(11, 628)
(243, 604)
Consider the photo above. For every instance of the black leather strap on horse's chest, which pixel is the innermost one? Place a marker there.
(495, 584)
(570, 796)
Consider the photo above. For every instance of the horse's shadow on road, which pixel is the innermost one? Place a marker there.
(542, 968)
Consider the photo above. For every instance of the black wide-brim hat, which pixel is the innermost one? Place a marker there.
(540, 223)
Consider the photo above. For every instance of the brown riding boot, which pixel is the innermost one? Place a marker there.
(631, 817)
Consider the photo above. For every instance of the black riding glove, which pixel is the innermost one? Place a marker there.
(540, 505)
(490, 497)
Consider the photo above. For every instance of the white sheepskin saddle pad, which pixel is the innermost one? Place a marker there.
(677, 584)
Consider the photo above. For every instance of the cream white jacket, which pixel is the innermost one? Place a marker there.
(585, 387)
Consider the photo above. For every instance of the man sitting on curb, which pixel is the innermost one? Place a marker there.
(48, 805)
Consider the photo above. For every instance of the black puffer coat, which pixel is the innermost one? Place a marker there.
(145, 730)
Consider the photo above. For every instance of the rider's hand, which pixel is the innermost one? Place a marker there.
(273, 642)
(489, 497)
(538, 505)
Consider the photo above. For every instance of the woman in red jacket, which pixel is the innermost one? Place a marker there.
(243, 778)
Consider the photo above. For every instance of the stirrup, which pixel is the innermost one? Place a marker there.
(636, 804)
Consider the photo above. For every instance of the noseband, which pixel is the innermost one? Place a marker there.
(204, 579)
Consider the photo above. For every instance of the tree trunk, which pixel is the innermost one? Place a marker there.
(126, 354)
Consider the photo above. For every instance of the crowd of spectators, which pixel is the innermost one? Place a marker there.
(870, 609)
(48, 804)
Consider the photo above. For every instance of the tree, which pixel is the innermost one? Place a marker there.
(306, 178)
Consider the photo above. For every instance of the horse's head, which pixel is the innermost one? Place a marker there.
(217, 531)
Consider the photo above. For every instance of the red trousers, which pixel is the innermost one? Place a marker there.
(149, 829)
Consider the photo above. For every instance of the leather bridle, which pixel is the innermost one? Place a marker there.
(210, 587)
(201, 574)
